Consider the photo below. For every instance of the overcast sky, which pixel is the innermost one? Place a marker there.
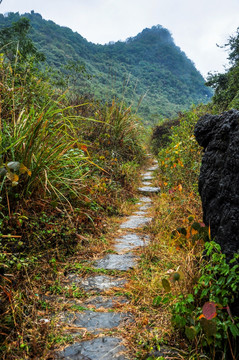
(196, 25)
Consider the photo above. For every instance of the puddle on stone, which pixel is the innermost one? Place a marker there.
(135, 222)
(106, 302)
(130, 241)
(121, 262)
(102, 348)
(149, 190)
(95, 321)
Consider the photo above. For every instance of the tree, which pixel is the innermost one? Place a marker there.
(226, 85)
(15, 42)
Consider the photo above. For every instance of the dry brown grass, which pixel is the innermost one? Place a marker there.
(161, 259)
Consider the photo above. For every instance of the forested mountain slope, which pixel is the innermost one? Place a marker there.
(148, 66)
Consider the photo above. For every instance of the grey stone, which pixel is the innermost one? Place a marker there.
(147, 183)
(94, 321)
(145, 199)
(130, 241)
(144, 207)
(147, 177)
(135, 222)
(148, 173)
(153, 168)
(102, 348)
(121, 262)
(99, 282)
(106, 302)
(139, 213)
(149, 190)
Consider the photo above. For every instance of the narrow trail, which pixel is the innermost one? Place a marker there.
(103, 314)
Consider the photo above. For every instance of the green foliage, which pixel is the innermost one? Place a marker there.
(205, 315)
(180, 159)
(226, 85)
(161, 134)
(15, 42)
(148, 70)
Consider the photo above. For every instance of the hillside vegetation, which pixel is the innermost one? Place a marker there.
(69, 167)
(147, 70)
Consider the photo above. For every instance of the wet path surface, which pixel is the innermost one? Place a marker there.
(102, 313)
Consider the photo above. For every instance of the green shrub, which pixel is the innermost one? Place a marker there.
(206, 315)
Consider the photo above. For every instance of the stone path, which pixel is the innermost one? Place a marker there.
(101, 312)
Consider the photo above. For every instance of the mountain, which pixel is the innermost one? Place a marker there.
(148, 69)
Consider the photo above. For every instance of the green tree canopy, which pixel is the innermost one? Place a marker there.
(14, 41)
(226, 85)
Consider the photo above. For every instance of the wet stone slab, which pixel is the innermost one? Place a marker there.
(103, 348)
(135, 222)
(130, 241)
(149, 190)
(122, 262)
(106, 302)
(95, 321)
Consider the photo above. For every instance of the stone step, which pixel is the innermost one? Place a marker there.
(135, 222)
(102, 348)
(93, 321)
(130, 241)
(96, 283)
(148, 190)
(106, 302)
(147, 177)
(147, 183)
(153, 168)
(122, 262)
(144, 199)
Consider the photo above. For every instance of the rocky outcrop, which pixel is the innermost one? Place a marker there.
(219, 177)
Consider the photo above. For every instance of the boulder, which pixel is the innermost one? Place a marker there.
(219, 177)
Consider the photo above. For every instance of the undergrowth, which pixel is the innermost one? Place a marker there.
(65, 171)
(184, 286)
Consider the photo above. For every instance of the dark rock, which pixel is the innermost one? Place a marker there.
(219, 177)
(107, 348)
